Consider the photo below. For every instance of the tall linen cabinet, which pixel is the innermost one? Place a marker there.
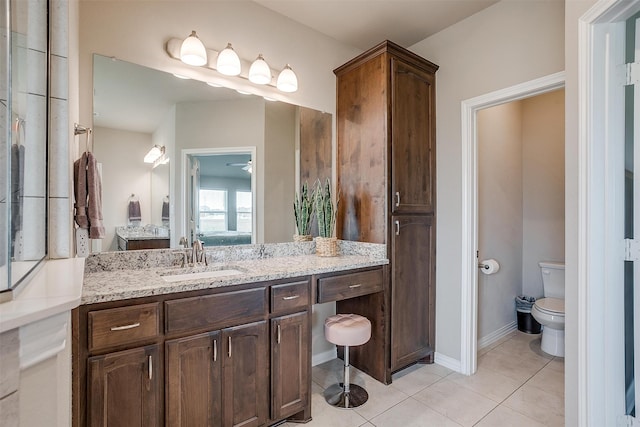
(386, 183)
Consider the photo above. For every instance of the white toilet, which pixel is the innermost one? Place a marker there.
(549, 311)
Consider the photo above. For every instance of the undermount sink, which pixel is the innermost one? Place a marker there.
(196, 273)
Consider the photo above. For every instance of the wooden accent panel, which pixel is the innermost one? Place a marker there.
(290, 356)
(351, 285)
(125, 325)
(194, 387)
(133, 245)
(215, 311)
(289, 297)
(315, 145)
(413, 136)
(362, 134)
(246, 393)
(412, 290)
(125, 388)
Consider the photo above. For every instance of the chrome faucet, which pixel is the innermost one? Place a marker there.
(197, 253)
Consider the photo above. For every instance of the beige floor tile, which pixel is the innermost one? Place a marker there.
(503, 416)
(411, 413)
(519, 367)
(325, 415)
(381, 398)
(537, 404)
(550, 380)
(522, 346)
(456, 402)
(557, 364)
(418, 377)
(488, 383)
(493, 345)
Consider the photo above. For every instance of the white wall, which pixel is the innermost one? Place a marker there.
(123, 173)
(542, 186)
(165, 135)
(500, 214)
(505, 44)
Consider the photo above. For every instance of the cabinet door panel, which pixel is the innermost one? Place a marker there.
(413, 135)
(412, 288)
(244, 375)
(125, 388)
(194, 381)
(290, 364)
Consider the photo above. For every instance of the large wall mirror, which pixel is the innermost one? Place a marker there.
(23, 139)
(228, 168)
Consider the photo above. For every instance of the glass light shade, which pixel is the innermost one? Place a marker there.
(260, 73)
(154, 154)
(192, 51)
(287, 80)
(228, 62)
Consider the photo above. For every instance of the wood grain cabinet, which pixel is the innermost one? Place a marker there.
(386, 179)
(203, 361)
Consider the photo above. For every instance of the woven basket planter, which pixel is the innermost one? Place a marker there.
(326, 246)
(302, 238)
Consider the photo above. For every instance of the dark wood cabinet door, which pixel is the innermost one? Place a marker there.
(245, 379)
(194, 386)
(412, 289)
(290, 361)
(125, 388)
(412, 139)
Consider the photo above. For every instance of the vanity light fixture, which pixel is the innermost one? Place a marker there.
(243, 92)
(228, 62)
(212, 84)
(260, 73)
(154, 154)
(287, 80)
(180, 76)
(192, 51)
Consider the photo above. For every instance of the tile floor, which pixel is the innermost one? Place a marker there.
(516, 385)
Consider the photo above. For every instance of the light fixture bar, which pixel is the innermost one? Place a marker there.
(154, 154)
(173, 50)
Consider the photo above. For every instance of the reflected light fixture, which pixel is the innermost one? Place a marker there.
(154, 154)
(180, 76)
(287, 80)
(228, 61)
(192, 51)
(260, 73)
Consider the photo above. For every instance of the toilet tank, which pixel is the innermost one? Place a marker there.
(552, 278)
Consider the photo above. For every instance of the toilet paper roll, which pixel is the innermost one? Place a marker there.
(489, 266)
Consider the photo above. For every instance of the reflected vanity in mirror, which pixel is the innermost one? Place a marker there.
(230, 162)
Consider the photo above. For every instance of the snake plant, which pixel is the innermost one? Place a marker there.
(325, 209)
(303, 210)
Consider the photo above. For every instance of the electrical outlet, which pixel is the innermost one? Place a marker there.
(82, 242)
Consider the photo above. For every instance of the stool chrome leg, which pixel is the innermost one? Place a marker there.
(346, 395)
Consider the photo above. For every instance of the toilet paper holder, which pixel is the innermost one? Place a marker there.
(483, 266)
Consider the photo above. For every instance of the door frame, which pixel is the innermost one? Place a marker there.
(469, 261)
(184, 181)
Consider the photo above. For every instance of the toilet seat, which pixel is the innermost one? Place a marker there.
(551, 306)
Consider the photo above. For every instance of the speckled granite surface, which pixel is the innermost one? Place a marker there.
(122, 275)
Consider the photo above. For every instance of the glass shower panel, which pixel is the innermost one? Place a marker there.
(4, 144)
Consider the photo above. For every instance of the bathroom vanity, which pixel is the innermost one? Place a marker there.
(218, 345)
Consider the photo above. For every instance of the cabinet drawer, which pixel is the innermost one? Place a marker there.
(289, 296)
(215, 311)
(349, 285)
(124, 325)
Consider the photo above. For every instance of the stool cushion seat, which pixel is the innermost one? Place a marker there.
(347, 329)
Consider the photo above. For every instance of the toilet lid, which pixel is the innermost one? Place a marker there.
(551, 305)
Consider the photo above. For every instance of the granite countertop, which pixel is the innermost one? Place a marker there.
(118, 276)
(142, 233)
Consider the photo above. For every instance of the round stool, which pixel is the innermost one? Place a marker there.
(346, 330)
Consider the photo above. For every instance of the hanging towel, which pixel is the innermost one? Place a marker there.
(94, 193)
(17, 192)
(165, 210)
(88, 195)
(134, 211)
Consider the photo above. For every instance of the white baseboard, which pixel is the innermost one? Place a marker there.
(497, 335)
(448, 362)
(317, 359)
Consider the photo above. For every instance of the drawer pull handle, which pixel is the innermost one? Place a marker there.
(215, 350)
(397, 228)
(229, 347)
(150, 367)
(355, 286)
(278, 334)
(125, 327)
(291, 297)
(397, 198)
